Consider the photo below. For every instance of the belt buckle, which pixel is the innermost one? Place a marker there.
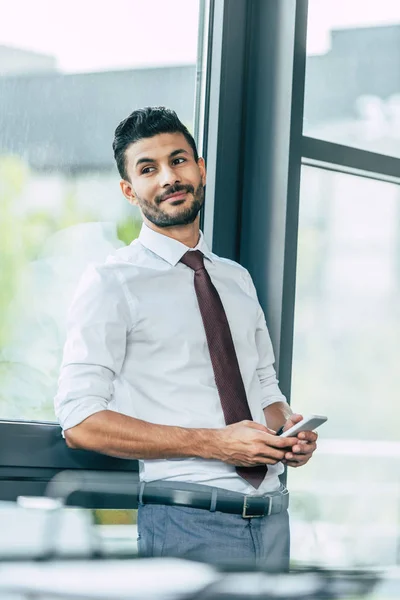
(246, 516)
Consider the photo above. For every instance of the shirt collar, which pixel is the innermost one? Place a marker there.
(167, 248)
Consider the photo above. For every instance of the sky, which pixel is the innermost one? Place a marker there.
(324, 15)
(96, 35)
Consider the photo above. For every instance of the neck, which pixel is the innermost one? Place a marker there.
(186, 234)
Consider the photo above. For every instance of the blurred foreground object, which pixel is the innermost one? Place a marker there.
(165, 578)
(50, 551)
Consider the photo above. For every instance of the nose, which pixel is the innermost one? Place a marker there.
(168, 176)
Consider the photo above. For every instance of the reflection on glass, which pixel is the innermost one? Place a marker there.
(352, 93)
(63, 90)
(345, 502)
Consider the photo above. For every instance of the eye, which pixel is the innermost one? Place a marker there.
(179, 161)
(147, 170)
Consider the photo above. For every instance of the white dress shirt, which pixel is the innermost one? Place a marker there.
(136, 344)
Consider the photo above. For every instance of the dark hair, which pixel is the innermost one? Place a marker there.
(145, 123)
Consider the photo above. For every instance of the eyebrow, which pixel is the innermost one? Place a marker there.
(151, 160)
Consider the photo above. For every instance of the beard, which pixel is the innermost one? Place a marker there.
(156, 215)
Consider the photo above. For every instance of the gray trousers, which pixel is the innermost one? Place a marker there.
(214, 537)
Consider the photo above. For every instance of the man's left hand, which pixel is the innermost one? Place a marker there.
(301, 452)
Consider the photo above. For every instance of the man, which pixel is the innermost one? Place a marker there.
(168, 359)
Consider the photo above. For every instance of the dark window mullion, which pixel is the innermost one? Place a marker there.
(347, 157)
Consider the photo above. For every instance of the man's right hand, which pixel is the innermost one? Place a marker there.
(247, 444)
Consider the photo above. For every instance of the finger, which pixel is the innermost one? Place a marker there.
(296, 418)
(298, 455)
(281, 442)
(304, 448)
(304, 445)
(267, 430)
(292, 420)
(272, 454)
(294, 464)
(297, 458)
(291, 457)
(309, 436)
(270, 431)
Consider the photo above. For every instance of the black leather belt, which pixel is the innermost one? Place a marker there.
(213, 499)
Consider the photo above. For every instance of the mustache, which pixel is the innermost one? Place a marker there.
(174, 189)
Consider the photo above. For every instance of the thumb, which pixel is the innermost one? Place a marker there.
(292, 420)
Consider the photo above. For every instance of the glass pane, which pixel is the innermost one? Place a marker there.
(63, 90)
(345, 502)
(352, 93)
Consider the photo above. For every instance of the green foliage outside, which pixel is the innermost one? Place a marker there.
(128, 230)
(15, 242)
(24, 230)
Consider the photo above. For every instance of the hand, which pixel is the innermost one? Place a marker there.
(304, 447)
(247, 444)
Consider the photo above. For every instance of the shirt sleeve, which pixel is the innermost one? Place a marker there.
(98, 322)
(266, 359)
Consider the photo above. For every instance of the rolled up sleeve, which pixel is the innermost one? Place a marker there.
(266, 359)
(98, 322)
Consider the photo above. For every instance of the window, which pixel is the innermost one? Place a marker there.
(345, 365)
(353, 74)
(69, 73)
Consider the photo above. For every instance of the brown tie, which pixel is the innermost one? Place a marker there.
(223, 356)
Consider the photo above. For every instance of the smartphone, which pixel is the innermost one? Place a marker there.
(307, 424)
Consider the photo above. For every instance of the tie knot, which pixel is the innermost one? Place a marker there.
(193, 259)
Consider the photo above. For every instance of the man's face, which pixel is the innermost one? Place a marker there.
(165, 180)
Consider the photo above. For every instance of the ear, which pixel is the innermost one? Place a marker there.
(126, 188)
(202, 166)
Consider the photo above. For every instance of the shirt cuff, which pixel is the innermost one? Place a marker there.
(80, 412)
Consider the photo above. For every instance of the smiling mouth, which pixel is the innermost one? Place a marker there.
(177, 196)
